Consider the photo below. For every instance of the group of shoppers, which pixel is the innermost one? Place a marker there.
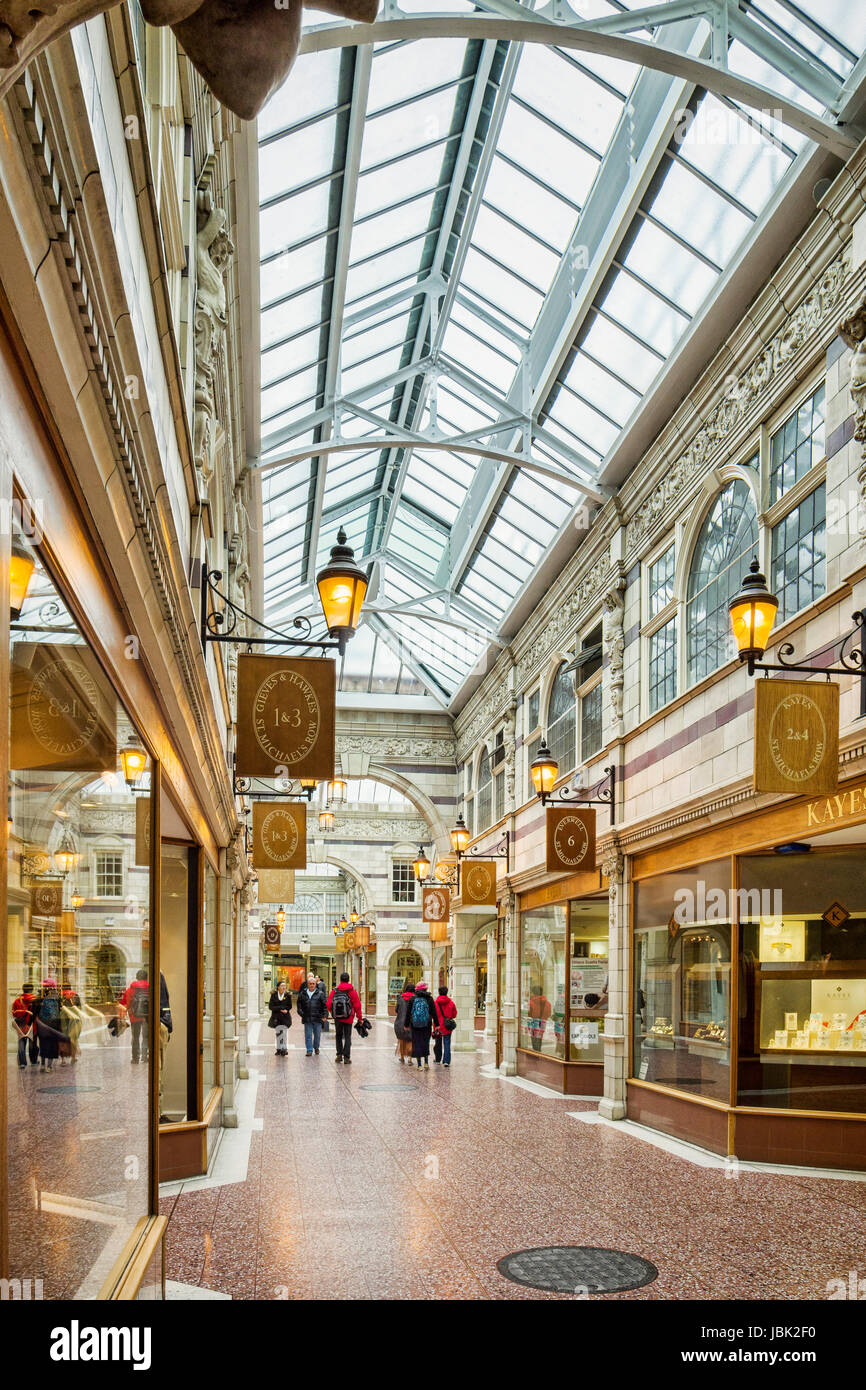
(47, 1024)
(420, 1017)
(343, 1005)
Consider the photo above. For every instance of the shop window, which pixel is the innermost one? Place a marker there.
(562, 721)
(402, 881)
(802, 1004)
(177, 1097)
(481, 977)
(726, 545)
(484, 794)
(210, 1005)
(663, 665)
(682, 980)
(588, 977)
(109, 874)
(405, 971)
(799, 558)
(542, 981)
(78, 1092)
(797, 446)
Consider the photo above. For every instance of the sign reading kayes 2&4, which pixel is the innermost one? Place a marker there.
(796, 737)
(286, 716)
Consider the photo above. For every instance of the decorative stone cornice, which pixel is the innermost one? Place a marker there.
(399, 747)
(566, 617)
(393, 828)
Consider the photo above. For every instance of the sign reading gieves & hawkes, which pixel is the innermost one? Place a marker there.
(286, 717)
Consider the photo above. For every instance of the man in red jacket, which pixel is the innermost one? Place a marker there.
(344, 1006)
(445, 1008)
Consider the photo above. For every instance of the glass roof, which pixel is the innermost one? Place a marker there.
(422, 205)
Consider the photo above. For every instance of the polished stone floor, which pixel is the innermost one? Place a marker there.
(337, 1185)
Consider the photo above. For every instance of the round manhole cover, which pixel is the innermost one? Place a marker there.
(390, 1086)
(577, 1269)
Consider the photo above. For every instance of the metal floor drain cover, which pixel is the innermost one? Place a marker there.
(390, 1086)
(577, 1269)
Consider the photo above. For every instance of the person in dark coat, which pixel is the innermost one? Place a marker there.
(343, 1011)
(401, 1025)
(46, 1018)
(422, 1019)
(313, 1008)
(25, 1031)
(280, 1005)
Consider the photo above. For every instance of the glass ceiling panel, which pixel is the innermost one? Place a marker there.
(483, 360)
(544, 213)
(416, 173)
(733, 153)
(383, 270)
(567, 96)
(404, 70)
(288, 226)
(698, 215)
(294, 270)
(498, 286)
(391, 227)
(367, 340)
(285, 320)
(414, 124)
(308, 153)
(516, 249)
(650, 317)
(299, 352)
(549, 155)
(312, 87)
(656, 257)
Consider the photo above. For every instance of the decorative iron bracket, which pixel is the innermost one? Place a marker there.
(599, 795)
(219, 625)
(852, 659)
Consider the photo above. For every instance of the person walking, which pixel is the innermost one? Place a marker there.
(422, 1017)
(344, 1005)
(46, 1016)
(25, 1031)
(446, 1013)
(539, 1013)
(312, 1007)
(401, 1025)
(280, 1005)
(136, 1001)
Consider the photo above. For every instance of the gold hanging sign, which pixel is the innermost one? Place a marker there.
(276, 885)
(46, 899)
(63, 711)
(478, 883)
(272, 936)
(142, 831)
(435, 905)
(285, 724)
(279, 835)
(570, 839)
(796, 737)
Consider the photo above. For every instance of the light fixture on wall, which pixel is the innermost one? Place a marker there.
(342, 585)
(133, 761)
(76, 899)
(21, 567)
(281, 918)
(309, 784)
(354, 915)
(460, 838)
(326, 820)
(421, 866)
(66, 856)
(336, 791)
(544, 771)
(753, 611)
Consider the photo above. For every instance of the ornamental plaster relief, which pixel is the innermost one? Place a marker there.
(396, 829)
(566, 617)
(398, 748)
(853, 332)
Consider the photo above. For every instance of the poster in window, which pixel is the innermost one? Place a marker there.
(279, 835)
(276, 885)
(478, 882)
(570, 839)
(286, 717)
(796, 737)
(63, 710)
(588, 978)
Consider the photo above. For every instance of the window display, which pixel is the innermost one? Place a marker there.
(588, 978)
(542, 981)
(682, 980)
(209, 1001)
(803, 980)
(78, 942)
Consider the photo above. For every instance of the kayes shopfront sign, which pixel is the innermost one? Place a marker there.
(279, 835)
(570, 839)
(796, 736)
(286, 717)
(843, 806)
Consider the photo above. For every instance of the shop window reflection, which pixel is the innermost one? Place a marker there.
(177, 1100)
(209, 1001)
(542, 981)
(589, 928)
(78, 1102)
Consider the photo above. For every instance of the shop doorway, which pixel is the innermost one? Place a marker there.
(406, 969)
(104, 975)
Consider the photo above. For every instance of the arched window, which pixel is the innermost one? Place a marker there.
(726, 544)
(561, 720)
(483, 794)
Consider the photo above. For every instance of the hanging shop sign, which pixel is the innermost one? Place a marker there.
(142, 831)
(796, 737)
(46, 899)
(570, 839)
(276, 885)
(63, 712)
(478, 882)
(272, 936)
(279, 835)
(435, 905)
(286, 717)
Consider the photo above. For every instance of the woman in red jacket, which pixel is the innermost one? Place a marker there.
(445, 1009)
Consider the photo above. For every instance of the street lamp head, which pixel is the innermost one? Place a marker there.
(753, 612)
(309, 784)
(281, 919)
(337, 791)
(342, 585)
(459, 836)
(133, 761)
(326, 820)
(544, 770)
(421, 866)
(21, 567)
(354, 915)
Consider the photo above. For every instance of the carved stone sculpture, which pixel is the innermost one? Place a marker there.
(244, 49)
(214, 250)
(613, 641)
(853, 332)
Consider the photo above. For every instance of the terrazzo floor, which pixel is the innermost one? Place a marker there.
(417, 1192)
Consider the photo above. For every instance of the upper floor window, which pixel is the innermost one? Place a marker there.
(661, 582)
(726, 543)
(402, 881)
(797, 445)
(109, 874)
(590, 694)
(561, 720)
(799, 554)
(484, 794)
(497, 765)
(531, 735)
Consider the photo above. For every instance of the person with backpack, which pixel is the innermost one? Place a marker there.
(422, 1018)
(46, 1017)
(312, 1006)
(136, 1001)
(401, 1025)
(446, 1015)
(344, 1006)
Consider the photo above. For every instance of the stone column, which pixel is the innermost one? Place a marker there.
(228, 1061)
(490, 1019)
(511, 1003)
(463, 1037)
(613, 1103)
(241, 931)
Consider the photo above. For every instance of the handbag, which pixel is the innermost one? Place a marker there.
(272, 1022)
(450, 1024)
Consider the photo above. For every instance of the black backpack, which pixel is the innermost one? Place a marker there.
(342, 1006)
(139, 1005)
